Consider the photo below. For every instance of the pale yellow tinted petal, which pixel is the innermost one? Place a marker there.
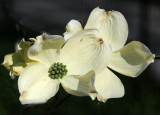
(108, 85)
(11, 59)
(14, 63)
(79, 85)
(23, 47)
(112, 26)
(35, 86)
(71, 28)
(132, 59)
(85, 51)
(46, 49)
(23, 44)
(18, 68)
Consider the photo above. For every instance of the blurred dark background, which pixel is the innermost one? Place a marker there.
(29, 18)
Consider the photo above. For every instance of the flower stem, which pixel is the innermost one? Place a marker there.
(157, 57)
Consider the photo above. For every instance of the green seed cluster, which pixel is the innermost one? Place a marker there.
(57, 70)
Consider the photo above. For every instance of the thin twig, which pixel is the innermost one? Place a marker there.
(157, 57)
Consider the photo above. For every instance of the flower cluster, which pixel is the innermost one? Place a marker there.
(57, 70)
(79, 60)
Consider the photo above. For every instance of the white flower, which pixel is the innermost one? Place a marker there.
(15, 62)
(77, 59)
(129, 60)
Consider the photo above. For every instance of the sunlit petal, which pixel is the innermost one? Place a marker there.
(79, 85)
(132, 59)
(112, 26)
(108, 85)
(85, 51)
(46, 49)
(71, 28)
(35, 86)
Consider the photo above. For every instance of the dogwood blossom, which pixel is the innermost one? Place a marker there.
(72, 64)
(129, 60)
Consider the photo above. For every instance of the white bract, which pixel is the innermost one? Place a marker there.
(83, 53)
(129, 60)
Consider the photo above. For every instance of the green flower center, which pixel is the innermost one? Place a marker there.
(57, 70)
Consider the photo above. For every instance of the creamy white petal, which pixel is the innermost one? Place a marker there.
(40, 92)
(132, 59)
(108, 85)
(31, 74)
(71, 28)
(85, 51)
(112, 26)
(35, 86)
(79, 85)
(46, 49)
